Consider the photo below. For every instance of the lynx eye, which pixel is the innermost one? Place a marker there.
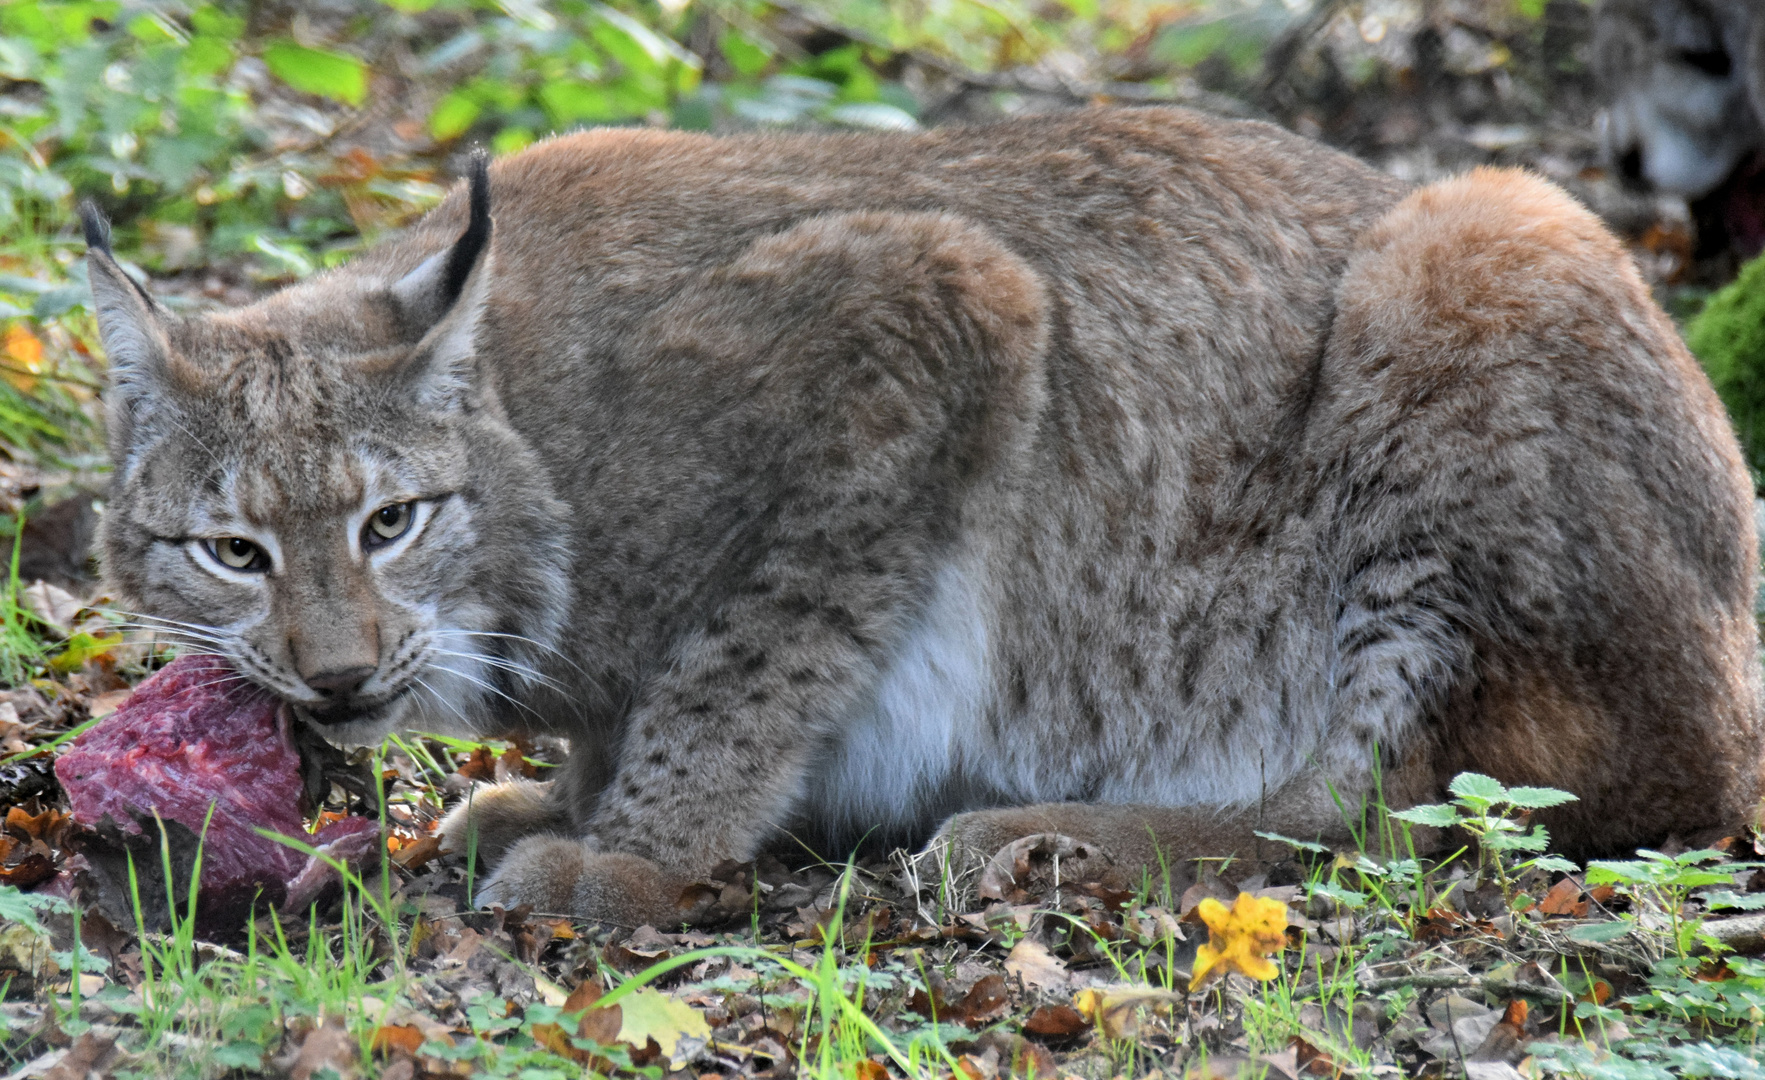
(387, 524)
(238, 553)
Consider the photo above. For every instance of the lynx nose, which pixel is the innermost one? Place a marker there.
(340, 683)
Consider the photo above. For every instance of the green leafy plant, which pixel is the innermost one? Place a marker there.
(1498, 818)
(1666, 882)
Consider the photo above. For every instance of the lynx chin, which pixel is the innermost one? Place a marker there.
(1131, 475)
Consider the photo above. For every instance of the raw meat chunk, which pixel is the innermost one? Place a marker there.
(198, 734)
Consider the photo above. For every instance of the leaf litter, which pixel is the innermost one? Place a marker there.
(1362, 964)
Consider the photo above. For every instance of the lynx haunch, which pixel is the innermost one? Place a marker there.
(1130, 475)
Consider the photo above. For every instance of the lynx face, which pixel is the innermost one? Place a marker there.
(335, 530)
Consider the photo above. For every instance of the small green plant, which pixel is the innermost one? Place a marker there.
(1666, 882)
(1498, 818)
(21, 646)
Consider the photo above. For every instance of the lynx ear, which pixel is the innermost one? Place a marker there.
(131, 324)
(441, 300)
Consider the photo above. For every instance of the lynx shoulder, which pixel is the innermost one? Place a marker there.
(1129, 475)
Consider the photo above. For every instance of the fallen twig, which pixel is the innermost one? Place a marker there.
(1503, 988)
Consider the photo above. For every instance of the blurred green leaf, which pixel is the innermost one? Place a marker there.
(745, 55)
(318, 71)
(453, 114)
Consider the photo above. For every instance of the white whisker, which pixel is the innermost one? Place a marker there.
(509, 666)
(436, 694)
(513, 637)
(489, 688)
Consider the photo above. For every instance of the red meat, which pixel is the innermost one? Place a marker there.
(195, 735)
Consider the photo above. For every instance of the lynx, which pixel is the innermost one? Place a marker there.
(1131, 476)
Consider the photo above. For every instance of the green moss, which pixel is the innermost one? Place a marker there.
(1728, 337)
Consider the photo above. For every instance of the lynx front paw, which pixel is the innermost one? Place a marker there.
(562, 876)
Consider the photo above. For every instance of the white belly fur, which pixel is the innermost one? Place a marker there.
(901, 748)
(920, 746)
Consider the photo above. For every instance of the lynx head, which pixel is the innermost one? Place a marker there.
(323, 488)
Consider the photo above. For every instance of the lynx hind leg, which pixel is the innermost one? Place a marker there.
(1129, 845)
(493, 818)
(1538, 488)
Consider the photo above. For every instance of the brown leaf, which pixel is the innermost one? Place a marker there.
(414, 854)
(985, 1000)
(1056, 1022)
(512, 765)
(1310, 1061)
(1032, 964)
(870, 1070)
(327, 1047)
(33, 827)
(33, 869)
(601, 1025)
(480, 766)
(1507, 1040)
(1002, 1052)
(90, 1053)
(1564, 898)
(397, 1037)
(1445, 924)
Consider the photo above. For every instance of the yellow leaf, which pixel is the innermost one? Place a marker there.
(1240, 938)
(650, 1014)
(82, 648)
(23, 949)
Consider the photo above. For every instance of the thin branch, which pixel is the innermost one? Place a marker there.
(1507, 988)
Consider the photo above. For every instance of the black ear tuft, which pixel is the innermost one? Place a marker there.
(97, 227)
(465, 252)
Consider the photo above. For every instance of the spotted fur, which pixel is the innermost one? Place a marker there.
(1136, 475)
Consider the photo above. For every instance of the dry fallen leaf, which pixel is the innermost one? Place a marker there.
(52, 604)
(403, 1037)
(1056, 1022)
(651, 1014)
(1564, 898)
(1032, 964)
(1241, 938)
(599, 1024)
(91, 1054)
(481, 765)
(984, 1001)
(414, 854)
(328, 1047)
